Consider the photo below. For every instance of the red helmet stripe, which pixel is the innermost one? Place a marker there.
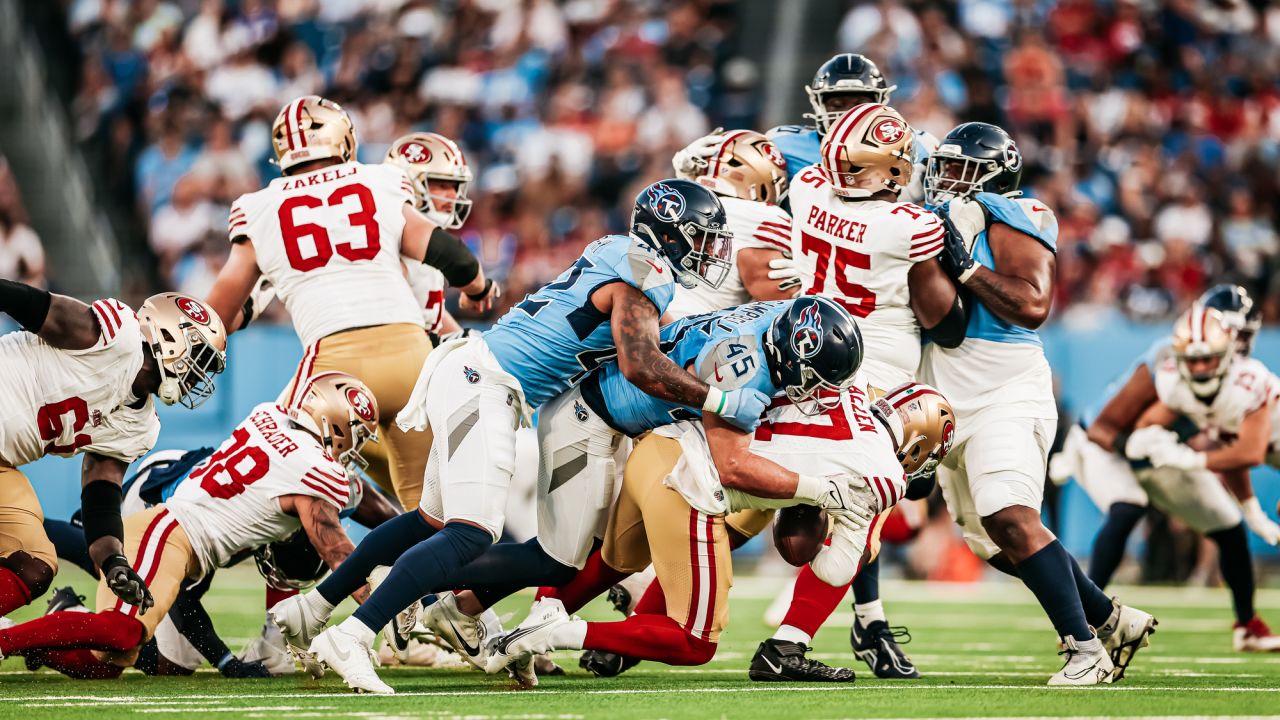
(288, 126)
(844, 126)
(302, 138)
(916, 391)
(723, 150)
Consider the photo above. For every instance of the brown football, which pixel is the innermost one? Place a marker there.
(799, 532)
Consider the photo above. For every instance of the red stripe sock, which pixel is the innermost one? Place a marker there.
(107, 630)
(813, 602)
(653, 602)
(80, 664)
(592, 580)
(13, 592)
(649, 637)
(274, 596)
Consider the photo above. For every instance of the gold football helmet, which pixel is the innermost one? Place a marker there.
(339, 410)
(1204, 343)
(922, 424)
(747, 165)
(869, 149)
(428, 156)
(312, 128)
(189, 343)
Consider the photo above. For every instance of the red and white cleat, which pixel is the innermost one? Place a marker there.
(1254, 636)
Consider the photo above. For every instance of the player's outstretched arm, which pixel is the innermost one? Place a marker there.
(1246, 452)
(424, 241)
(323, 527)
(100, 496)
(635, 322)
(61, 321)
(1110, 430)
(937, 304)
(1021, 292)
(234, 284)
(743, 470)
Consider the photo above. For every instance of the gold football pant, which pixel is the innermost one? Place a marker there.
(22, 519)
(651, 523)
(387, 358)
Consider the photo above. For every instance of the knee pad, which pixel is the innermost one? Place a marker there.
(35, 574)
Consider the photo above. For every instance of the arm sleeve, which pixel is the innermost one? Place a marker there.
(452, 258)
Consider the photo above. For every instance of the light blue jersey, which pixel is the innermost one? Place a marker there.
(801, 146)
(555, 336)
(725, 349)
(1151, 358)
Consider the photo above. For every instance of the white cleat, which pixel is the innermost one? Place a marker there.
(531, 637)
(524, 671)
(270, 649)
(1087, 664)
(399, 632)
(1124, 634)
(464, 633)
(351, 658)
(1254, 636)
(298, 621)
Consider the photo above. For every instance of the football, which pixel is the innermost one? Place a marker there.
(798, 533)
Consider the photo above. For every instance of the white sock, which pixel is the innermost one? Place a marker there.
(790, 633)
(869, 612)
(570, 636)
(354, 627)
(321, 607)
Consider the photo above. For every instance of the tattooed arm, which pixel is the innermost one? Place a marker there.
(1021, 290)
(635, 322)
(323, 527)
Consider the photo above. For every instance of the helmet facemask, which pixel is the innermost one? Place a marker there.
(188, 380)
(188, 344)
(709, 260)
(1204, 345)
(949, 175)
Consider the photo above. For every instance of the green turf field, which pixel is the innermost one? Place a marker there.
(986, 652)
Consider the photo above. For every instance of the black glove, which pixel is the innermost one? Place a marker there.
(955, 259)
(127, 584)
(234, 667)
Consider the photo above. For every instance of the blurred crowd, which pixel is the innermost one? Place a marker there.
(1153, 128)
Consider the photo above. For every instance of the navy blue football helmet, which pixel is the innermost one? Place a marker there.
(685, 223)
(1239, 311)
(974, 157)
(290, 564)
(814, 350)
(845, 74)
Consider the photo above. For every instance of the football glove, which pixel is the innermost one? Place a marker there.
(482, 301)
(234, 667)
(1143, 442)
(1258, 521)
(691, 160)
(127, 584)
(741, 408)
(784, 270)
(836, 564)
(955, 259)
(845, 496)
(1177, 455)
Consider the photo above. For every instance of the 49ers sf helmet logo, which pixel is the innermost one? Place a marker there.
(193, 310)
(888, 131)
(771, 151)
(361, 404)
(415, 152)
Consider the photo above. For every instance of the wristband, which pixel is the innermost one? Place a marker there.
(715, 400)
(1250, 506)
(964, 276)
(809, 487)
(484, 292)
(113, 560)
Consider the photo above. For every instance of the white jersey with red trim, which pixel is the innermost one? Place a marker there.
(754, 225)
(846, 440)
(859, 253)
(231, 501)
(329, 241)
(63, 402)
(1248, 386)
(427, 284)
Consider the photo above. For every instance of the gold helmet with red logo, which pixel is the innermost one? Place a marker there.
(746, 165)
(922, 424)
(427, 156)
(339, 410)
(867, 150)
(312, 128)
(189, 344)
(1204, 343)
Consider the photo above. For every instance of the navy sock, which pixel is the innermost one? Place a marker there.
(1047, 574)
(507, 568)
(68, 542)
(1096, 604)
(429, 566)
(383, 546)
(866, 585)
(1108, 546)
(1236, 564)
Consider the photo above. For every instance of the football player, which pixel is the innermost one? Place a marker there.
(673, 502)
(282, 469)
(476, 392)
(579, 433)
(853, 241)
(80, 380)
(1234, 399)
(330, 235)
(1001, 251)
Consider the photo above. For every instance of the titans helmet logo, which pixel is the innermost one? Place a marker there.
(360, 403)
(667, 202)
(193, 310)
(806, 336)
(1012, 157)
(415, 152)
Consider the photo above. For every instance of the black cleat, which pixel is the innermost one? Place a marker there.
(880, 647)
(65, 599)
(782, 661)
(605, 664)
(620, 599)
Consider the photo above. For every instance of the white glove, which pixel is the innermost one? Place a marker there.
(1144, 441)
(784, 270)
(842, 496)
(837, 563)
(1257, 521)
(691, 160)
(1177, 456)
(969, 219)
